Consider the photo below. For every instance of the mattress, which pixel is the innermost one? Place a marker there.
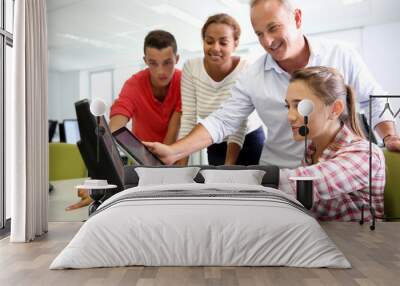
(201, 225)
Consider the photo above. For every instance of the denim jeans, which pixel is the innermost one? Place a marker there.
(249, 154)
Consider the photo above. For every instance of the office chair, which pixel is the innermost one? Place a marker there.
(65, 162)
(392, 186)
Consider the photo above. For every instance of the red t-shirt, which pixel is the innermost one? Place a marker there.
(150, 116)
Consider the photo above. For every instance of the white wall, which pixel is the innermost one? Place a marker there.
(123, 73)
(381, 46)
(54, 95)
(352, 37)
(64, 90)
(84, 84)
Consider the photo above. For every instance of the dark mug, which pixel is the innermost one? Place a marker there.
(304, 192)
(96, 195)
(98, 190)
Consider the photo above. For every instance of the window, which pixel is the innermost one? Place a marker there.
(9, 16)
(101, 86)
(6, 43)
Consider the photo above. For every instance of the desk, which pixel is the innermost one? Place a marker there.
(63, 195)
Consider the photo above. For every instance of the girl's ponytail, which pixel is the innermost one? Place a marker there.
(352, 118)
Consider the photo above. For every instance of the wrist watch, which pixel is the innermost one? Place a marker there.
(388, 136)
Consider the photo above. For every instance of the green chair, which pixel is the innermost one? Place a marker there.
(392, 187)
(65, 162)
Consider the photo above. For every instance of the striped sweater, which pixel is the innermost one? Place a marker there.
(201, 96)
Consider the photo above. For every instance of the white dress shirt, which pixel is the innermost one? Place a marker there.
(263, 88)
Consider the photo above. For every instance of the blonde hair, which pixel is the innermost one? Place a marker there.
(222, 18)
(328, 84)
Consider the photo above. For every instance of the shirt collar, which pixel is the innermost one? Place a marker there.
(315, 47)
(344, 137)
(315, 50)
(271, 64)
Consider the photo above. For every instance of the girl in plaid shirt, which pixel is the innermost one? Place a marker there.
(338, 155)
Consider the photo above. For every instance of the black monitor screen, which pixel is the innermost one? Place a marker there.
(135, 148)
(111, 146)
(108, 165)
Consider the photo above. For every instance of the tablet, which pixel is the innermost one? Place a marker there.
(132, 145)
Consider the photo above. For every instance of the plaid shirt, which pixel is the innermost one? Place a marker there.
(343, 178)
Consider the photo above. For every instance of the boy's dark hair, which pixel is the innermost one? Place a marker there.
(160, 39)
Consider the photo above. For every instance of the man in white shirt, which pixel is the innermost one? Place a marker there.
(277, 24)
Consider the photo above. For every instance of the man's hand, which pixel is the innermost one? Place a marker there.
(165, 152)
(387, 132)
(392, 143)
(197, 139)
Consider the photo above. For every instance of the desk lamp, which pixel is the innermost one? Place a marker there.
(305, 108)
(98, 109)
(304, 185)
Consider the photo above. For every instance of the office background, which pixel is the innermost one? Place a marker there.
(95, 45)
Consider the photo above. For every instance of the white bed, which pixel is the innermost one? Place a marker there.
(220, 227)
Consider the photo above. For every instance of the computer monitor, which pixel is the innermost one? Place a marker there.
(71, 131)
(135, 148)
(52, 129)
(109, 165)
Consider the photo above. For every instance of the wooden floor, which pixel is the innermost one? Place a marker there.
(374, 255)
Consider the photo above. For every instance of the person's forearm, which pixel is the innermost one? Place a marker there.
(232, 153)
(117, 121)
(183, 162)
(170, 138)
(385, 128)
(173, 128)
(197, 139)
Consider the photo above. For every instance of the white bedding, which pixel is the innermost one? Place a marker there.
(183, 231)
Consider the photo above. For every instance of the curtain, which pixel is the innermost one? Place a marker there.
(27, 124)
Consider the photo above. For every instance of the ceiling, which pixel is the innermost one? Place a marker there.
(93, 34)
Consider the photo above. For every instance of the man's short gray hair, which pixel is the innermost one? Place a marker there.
(287, 3)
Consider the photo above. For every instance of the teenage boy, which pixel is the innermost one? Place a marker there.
(151, 98)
